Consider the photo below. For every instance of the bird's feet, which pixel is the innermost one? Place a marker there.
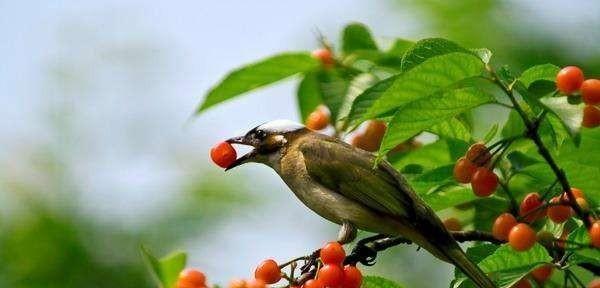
(363, 252)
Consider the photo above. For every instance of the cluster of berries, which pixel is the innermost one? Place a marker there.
(331, 273)
(569, 80)
(191, 278)
(475, 168)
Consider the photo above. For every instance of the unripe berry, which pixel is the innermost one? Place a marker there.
(569, 79)
(331, 275)
(255, 283)
(595, 234)
(333, 253)
(521, 237)
(352, 277)
(531, 202)
(558, 213)
(484, 182)
(223, 154)
(479, 154)
(268, 271)
(318, 119)
(590, 91)
(452, 224)
(313, 283)
(237, 283)
(502, 226)
(464, 170)
(591, 116)
(325, 56)
(191, 278)
(542, 273)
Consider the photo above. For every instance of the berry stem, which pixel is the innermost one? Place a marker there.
(532, 133)
(514, 205)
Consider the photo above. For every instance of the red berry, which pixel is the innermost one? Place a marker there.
(191, 278)
(479, 154)
(484, 182)
(318, 119)
(595, 234)
(502, 226)
(255, 283)
(591, 116)
(223, 154)
(352, 277)
(521, 237)
(331, 275)
(313, 283)
(558, 213)
(452, 224)
(531, 202)
(594, 284)
(268, 271)
(569, 79)
(464, 170)
(325, 56)
(333, 253)
(541, 274)
(237, 283)
(523, 283)
(590, 91)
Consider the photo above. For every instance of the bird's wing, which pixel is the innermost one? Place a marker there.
(348, 171)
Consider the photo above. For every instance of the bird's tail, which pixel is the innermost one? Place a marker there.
(456, 256)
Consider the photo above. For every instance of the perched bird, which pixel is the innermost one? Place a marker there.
(340, 183)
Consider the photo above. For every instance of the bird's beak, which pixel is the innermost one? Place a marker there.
(246, 157)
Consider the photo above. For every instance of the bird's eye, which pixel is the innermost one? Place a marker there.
(260, 134)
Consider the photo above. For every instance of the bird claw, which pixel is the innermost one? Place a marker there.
(364, 254)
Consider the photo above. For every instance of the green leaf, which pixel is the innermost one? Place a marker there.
(569, 114)
(514, 125)
(486, 210)
(334, 87)
(453, 128)
(167, 269)
(449, 197)
(585, 255)
(484, 54)
(308, 95)
(428, 48)
(424, 113)
(399, 47)
(544, 72)
(255, 75)
(357, 36)
(357, 86)
(378, 282)
(429, 156)
(491, 133)
(519, 160)
(428, 78)
(507, 266)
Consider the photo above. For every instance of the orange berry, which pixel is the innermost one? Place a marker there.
(352, 277)
(523, 283)
(583, 204)
(590, 91)
(318, 119)
(255, 283)
(591, 116)
(452, 224)
(521, 237)
(569, 79)
(268, 271)
(237, 283)
(331, 275)
(375, 129)
(594, 284)
(191, 278)
(595, 234)
(333, 253)
(502, 226)
(577, 193)
(541, 274)
(325, 56)
(479, 154)
(558, 213)
(313, 283)
(464, 170)
(223, 154)
(484, 182)
(530, 202)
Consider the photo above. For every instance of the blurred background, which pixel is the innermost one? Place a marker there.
(99, 152)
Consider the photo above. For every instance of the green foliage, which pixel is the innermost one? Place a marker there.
(378, 282)
(166, 269)
(545, 72)
(308, 94)
(355, 37)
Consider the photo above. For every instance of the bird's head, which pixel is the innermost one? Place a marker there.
(267, 140)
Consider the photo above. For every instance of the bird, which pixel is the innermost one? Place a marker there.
(347, 186)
